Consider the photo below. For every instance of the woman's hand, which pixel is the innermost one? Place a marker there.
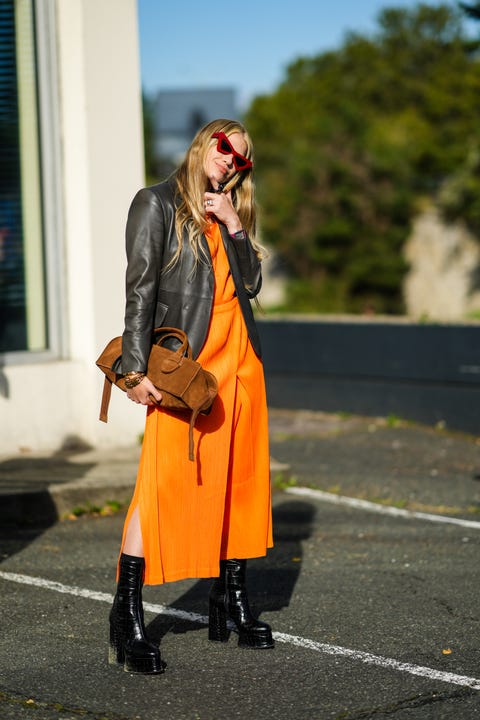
(144, 392)
(220, 205)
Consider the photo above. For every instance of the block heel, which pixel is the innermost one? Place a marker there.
(217, 621)
(116, 653)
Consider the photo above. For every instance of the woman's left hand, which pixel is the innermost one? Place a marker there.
(145, 393)
(220, 205)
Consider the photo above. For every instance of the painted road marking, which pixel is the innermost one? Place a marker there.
(323, 496)
(336, 650)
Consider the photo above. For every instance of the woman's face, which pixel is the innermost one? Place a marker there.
(219, 168)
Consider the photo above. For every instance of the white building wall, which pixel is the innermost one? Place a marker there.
(49, 401)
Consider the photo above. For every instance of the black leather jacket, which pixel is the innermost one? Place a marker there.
(181, 296)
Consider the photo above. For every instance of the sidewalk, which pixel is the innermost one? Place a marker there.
(387, 461)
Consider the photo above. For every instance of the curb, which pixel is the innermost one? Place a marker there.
(102, 477)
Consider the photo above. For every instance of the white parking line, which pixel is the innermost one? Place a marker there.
(305, 643)
(323, 496)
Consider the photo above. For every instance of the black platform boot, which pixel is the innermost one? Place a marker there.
(128, 643)
(229, 601)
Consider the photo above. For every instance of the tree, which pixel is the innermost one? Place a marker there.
(472, 10)
(352, 143)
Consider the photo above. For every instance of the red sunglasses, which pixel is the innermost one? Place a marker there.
(225, 147)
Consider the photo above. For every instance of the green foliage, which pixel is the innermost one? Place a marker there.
(353, 142)
(109, 508)
(459, 197)
(282, 482)
(471, 9)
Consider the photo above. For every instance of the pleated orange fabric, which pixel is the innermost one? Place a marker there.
(219, 507)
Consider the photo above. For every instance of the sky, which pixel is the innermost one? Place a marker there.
(186, 44)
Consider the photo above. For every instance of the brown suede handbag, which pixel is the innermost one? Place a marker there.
(184, 384)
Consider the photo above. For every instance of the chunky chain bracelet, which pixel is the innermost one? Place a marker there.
(132, 379)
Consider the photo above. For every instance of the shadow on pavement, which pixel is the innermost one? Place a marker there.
(27, 508)
(270, 581)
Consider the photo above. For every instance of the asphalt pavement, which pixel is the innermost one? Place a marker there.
(375, 613)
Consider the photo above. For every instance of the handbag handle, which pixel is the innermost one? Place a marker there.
(162, 333)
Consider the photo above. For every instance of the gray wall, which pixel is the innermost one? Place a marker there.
(426, 373)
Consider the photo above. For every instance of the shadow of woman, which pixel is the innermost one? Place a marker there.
(271, 580)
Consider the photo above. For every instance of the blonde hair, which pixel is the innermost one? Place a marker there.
(192, 183)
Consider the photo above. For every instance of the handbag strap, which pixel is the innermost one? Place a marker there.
(191, 446)
(107, 391)
(195, 413)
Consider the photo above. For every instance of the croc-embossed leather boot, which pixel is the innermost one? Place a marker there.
(229, 601)
(129, 645)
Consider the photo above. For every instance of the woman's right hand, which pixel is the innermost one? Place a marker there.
(145, 393)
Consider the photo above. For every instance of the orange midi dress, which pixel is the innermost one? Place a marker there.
(192, 514)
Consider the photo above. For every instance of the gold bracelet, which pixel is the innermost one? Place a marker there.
(132, 379)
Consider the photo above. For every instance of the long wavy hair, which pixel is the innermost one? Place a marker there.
(192, 183)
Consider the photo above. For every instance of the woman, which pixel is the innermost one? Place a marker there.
(193, 264)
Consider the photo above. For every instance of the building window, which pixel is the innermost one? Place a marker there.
(23, 325)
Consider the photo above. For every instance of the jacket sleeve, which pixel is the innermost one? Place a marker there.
(249, 265)
(144, 246)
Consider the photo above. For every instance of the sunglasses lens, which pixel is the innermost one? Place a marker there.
(225, 147)
(241, 162)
